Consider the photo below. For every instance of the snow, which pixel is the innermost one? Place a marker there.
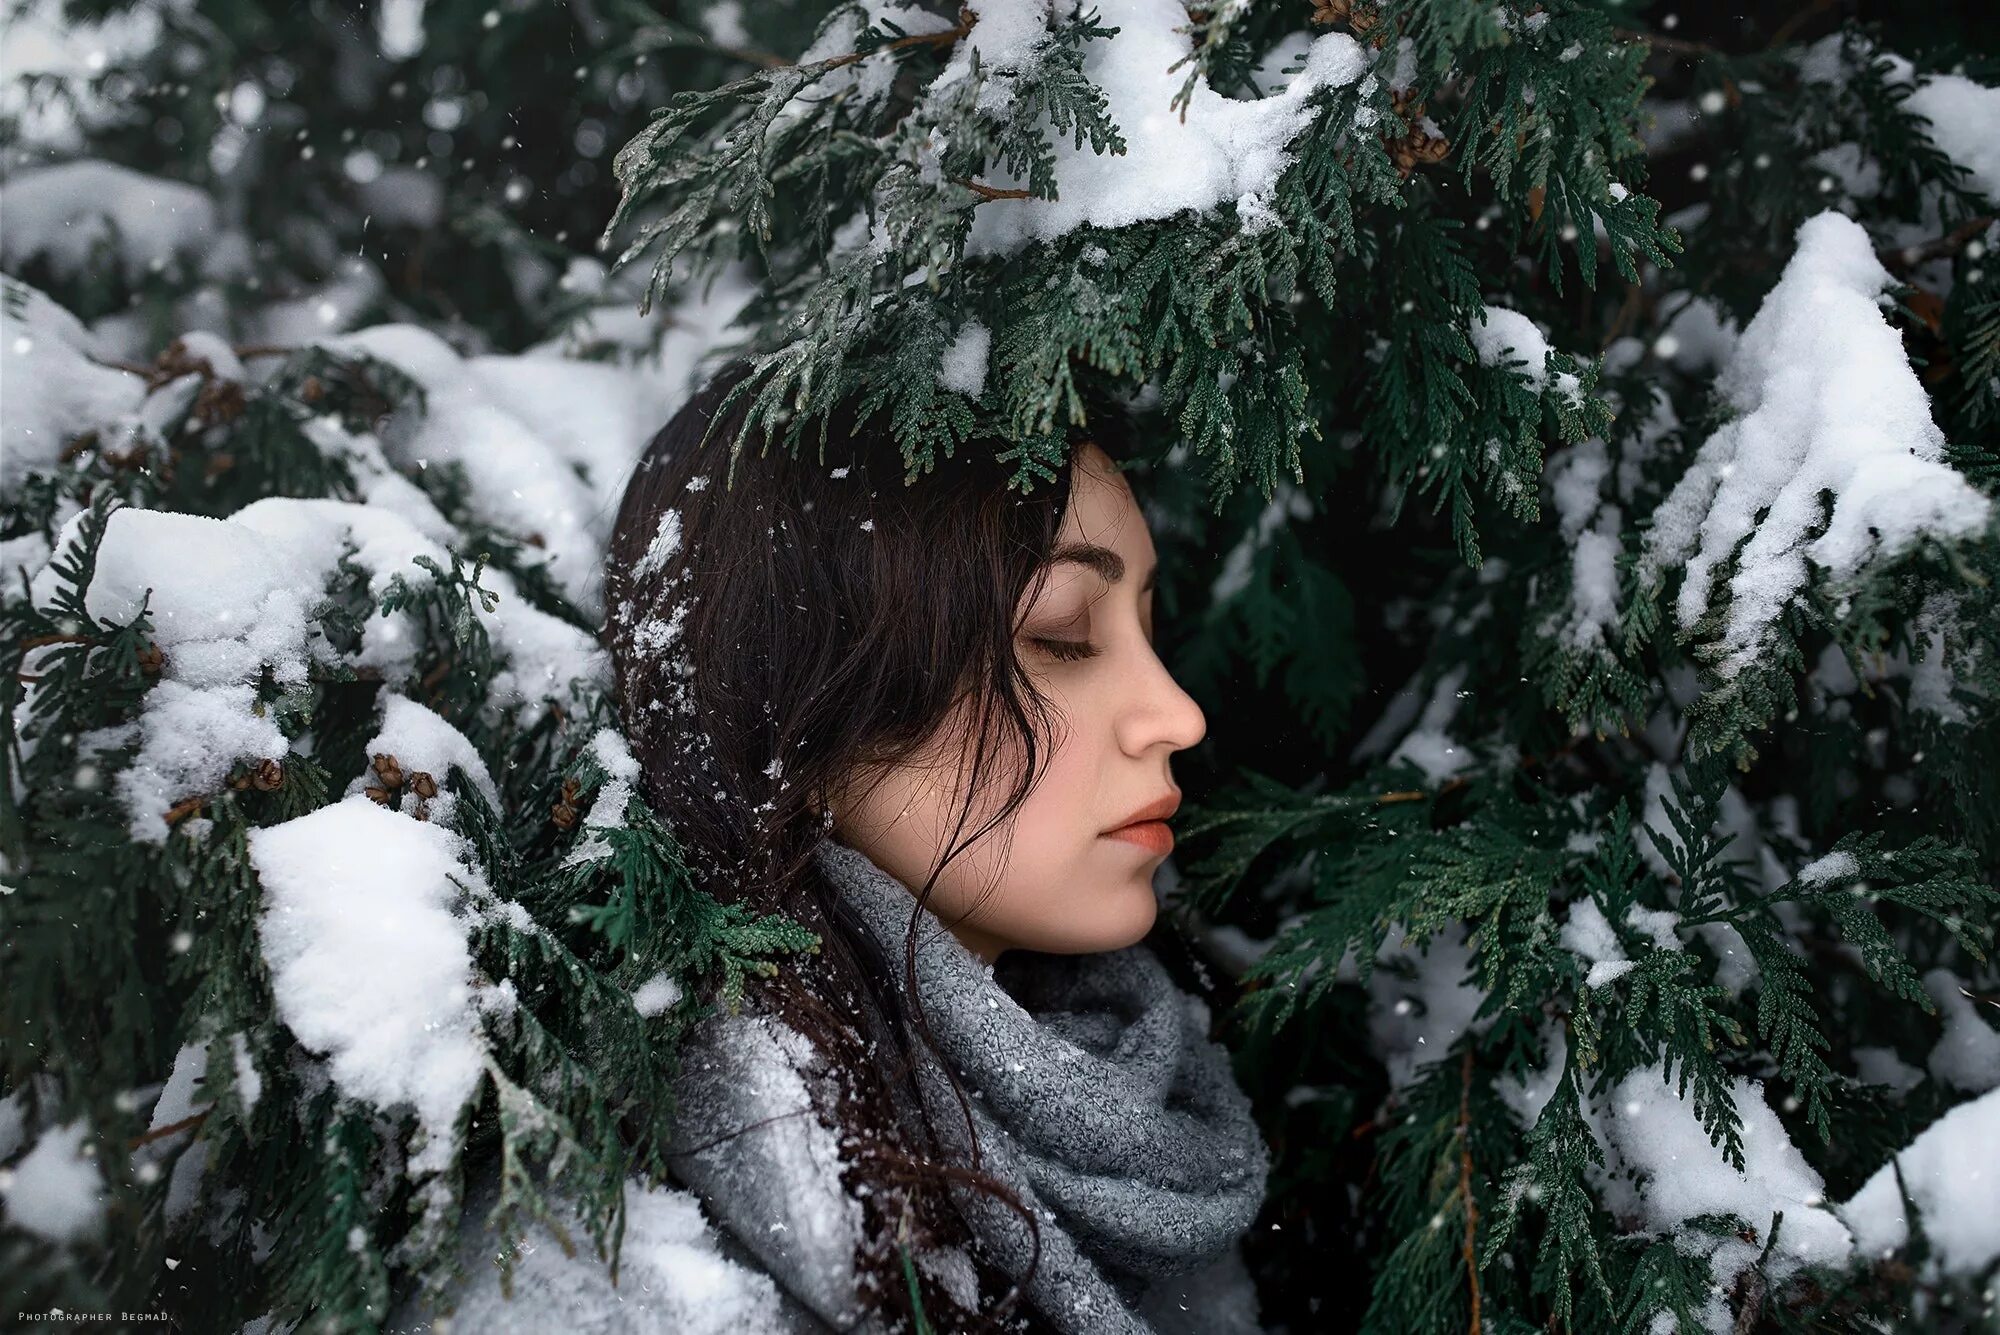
(1831, 867)
(676, 1272)
(1287, 503)
(1501, 336)
(235, 598)
(1968, 1055)
(1657, 1135)
(1528, 1092)
(369, 960)
(54, 389)
(1428, 746)
(43, 38)
(220, 581)
(656, 995)
(13, 1123)
(354, 287)
(607, 808)
(546, 443)
(1658, 925)
(665, 542)
(1220, 151)
(56, 1191)
(189, 1151)
(723, 22)
(1006, 36)
(1827, 401)
(1661, 1170)
(399, 28)
(1952, 1173)
(1965, 124)
(249, 1084)
(1588, 934)
(1931, 679)
(1592, 530)
(671, 354)
(1697, 337)
(543, 654)
(964, 368)
(1858, 175)
(1414, 1020)
(66, 214)
(1881, 1066)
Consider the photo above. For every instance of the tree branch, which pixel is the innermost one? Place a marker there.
(985, 191)
(1961, 236)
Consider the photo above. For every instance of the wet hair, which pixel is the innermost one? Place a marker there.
(778, 625)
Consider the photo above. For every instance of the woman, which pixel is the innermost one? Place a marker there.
(927, 721)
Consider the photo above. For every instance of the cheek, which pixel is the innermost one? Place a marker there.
(1070, 907)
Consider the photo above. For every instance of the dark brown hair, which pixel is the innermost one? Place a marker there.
(778, 625)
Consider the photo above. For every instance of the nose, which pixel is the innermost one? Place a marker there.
(1157, 710)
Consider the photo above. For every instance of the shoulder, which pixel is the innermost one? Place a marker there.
(677, 1273)
(749, 1141)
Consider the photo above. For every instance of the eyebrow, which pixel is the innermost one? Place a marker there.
(1103, 560)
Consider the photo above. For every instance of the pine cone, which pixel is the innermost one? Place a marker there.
(151, 660)
(1358, 17)
(219, 401)
(388, 770)
(423, 785)
(173, 363)
(565, 812)
(378, 795)
(268, 777)
(1417, 149)
(312, 391)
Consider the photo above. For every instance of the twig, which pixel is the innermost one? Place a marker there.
(162, 1132)
(1678, 46)
(1419, 794)
(985, 191)
(1628, 310)
(181, 810)
(1937, 247)
(249, 350)
(946, 38)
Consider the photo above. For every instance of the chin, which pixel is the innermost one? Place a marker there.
(1130, 926)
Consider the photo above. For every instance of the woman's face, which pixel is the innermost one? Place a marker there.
(1052, 877)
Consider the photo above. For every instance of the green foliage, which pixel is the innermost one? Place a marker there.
(1446, 734)
(298, 1201)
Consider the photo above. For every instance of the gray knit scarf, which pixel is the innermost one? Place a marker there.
(1097, 1096)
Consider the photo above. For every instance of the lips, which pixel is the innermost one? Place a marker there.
(1152, 835)
(1147, 827)
(1159, 808)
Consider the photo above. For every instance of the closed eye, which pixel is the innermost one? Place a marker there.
(1067, 650)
